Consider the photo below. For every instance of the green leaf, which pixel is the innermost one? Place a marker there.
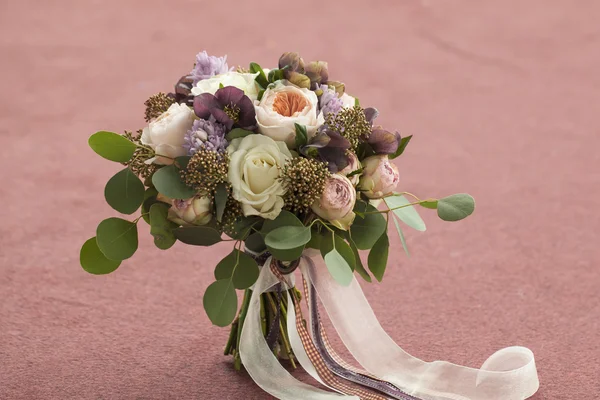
(149, 199)
(366, 229)
(378, 256)
(221, 86)
(455, 207)
(221, 194)
(93, 261)
(112, 146)
(288, 237)
(160, 226)
(338, 267)
(261, 79)
(301, 135)
(401, 147)
(237, 133)
(407, 214)
(356, 102)
(220, 302)
(239, 267)
(401, 236)
(285, 218)
(359, 267)
(117, 238)
(331, 241)
(243, 227)
(261, 92)
(431, 204)
(315, 240)
(255, 243)
(167, 181)
(124, 192)
(197, 235)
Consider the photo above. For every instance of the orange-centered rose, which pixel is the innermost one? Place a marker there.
(288, 104)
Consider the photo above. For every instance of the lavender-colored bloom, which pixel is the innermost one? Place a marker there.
(208, 66)
(329, 101)
(207, 134)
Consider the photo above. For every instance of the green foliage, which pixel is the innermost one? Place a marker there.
(401, 235)
(117, 238)
(261, 79)
(378, 256)
(401, 147)
(339, 258)
(367, 227)
(221, 195)
(198, 235)
(282, 250)
(149, 199)
(288, 237)
(124, 192)
(238, 267)
(301, 135)
(93, 261)
(431, 204)
(456, 207)
(160, 226)
(168, 181)
(112, 146)
(407, 214)
(220, 302)
(255, 243)
(237, 133)
(359, 267)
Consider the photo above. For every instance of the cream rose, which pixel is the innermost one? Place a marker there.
(166, 133)
(284, 105)
(255, 162)
(245, 82)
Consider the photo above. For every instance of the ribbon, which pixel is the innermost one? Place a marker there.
(509, 374)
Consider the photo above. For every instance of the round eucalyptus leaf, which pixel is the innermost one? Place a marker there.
(93, 261)
(160, 226)
(124, 192)
(168, 182)
(338, 268)
(288, 237)
(239, 267)
(378, 256)
(285, 218)
(198, 235)
(112, 146)
(117, 238)
(455, 207)
(367, 229)
(220, 302)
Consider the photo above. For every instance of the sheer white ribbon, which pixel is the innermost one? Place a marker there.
(509, 374)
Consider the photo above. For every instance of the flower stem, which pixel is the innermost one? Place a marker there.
(232, 334)
(237, 362)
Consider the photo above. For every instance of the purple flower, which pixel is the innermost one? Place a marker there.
(329, 102)
(208, 66)
(207, 134)
(228, 106)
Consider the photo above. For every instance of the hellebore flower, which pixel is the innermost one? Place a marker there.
(208, 66)
(330, 147)
(383, 141)
(228, 106)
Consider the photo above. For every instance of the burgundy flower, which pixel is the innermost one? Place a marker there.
(229, 106)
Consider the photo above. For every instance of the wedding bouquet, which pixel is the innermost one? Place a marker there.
(276, 162)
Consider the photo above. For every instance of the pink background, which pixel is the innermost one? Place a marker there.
(503, 100)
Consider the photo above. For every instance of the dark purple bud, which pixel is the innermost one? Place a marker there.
(317, 72)
(299, 79)
(183, 90)
(370, 114)
(383, 141)
(292, 62)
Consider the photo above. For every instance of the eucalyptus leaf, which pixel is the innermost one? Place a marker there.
(197, 235)
(338, 267)
(93, 261)
(149, 199)
(359, 267)
(168, 182)
(237, 133)
(244, 226)
(285, 218)
(378, 256)
(455, 207)
(124, 192)
(333, 241)
(160, 226)
(407, 214)
(401, 147)
(401, 235)
(430, 203)
(366, 229)
(255, 243)
(301, 135)
(221, 195)
(117, 238)
(239, 267)
(112, 146)
(288, 237)
(220, 302)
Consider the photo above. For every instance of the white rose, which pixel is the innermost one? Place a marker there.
(255, 162)
(284, 105)
(347, 100)
(241, 81)
(165, 135)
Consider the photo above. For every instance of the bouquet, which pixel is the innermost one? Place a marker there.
(276, 162)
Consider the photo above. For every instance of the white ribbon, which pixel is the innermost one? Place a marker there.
(509, 374)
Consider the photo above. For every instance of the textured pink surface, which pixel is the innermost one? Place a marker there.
(502, 97)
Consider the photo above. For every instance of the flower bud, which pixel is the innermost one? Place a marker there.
(298, 79)
(337, 202)
(353, 165)
(292, 61)
(317, 71)
(383, 141)
(194, 211)
(379, 177)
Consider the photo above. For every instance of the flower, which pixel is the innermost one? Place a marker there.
(284, 105)
(337, 202)
(329, 102)
(242, 81)
(379, 177)
(205, 133)
(165, 135)
(383, 141)
(317, 72)
(229, 106)
(208, 66)
(352, 167)
(347, 100)
(194, 211)
(255, 174)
